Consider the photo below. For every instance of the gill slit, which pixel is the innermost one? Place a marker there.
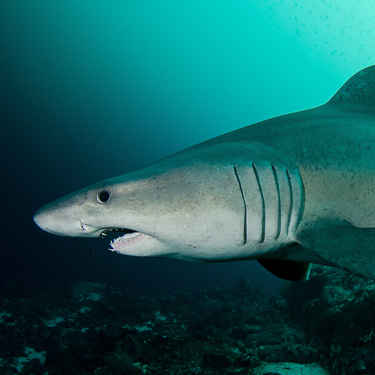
(244, 201)
(301, 207)
(279, 202)
(263, 203)
(291, 203)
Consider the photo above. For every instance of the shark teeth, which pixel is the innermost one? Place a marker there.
(127, 240)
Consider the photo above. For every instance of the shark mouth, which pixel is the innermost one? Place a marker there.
(131, 237)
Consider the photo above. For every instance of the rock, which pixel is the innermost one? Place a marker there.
(290, 369)
(215, 361)
(337, 311)
(101, 329)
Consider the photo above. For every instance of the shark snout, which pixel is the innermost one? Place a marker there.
(38, 220)
(53, 221)
(44, 219)
(41, 219)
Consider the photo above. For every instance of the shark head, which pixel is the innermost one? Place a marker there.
(184, 206)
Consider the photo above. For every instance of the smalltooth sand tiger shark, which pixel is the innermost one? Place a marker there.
(289, 191)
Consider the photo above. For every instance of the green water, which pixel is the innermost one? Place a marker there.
(94, 89)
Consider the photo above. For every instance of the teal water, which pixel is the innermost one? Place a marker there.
(95, 89)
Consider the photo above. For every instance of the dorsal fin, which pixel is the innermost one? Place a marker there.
(359, 89)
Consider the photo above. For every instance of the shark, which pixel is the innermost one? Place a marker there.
(289, 192)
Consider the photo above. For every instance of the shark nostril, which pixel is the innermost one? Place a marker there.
(83, 228)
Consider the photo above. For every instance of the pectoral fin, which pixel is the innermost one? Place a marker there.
(287, 269)
(341, 245)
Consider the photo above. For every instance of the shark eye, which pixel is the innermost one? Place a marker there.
(103, 196)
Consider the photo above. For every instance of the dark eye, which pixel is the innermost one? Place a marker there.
(103, 196)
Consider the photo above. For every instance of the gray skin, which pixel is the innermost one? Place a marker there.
(289, 191)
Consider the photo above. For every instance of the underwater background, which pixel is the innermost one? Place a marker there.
(95, 89)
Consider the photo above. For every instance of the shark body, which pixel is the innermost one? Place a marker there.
(289, 191)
